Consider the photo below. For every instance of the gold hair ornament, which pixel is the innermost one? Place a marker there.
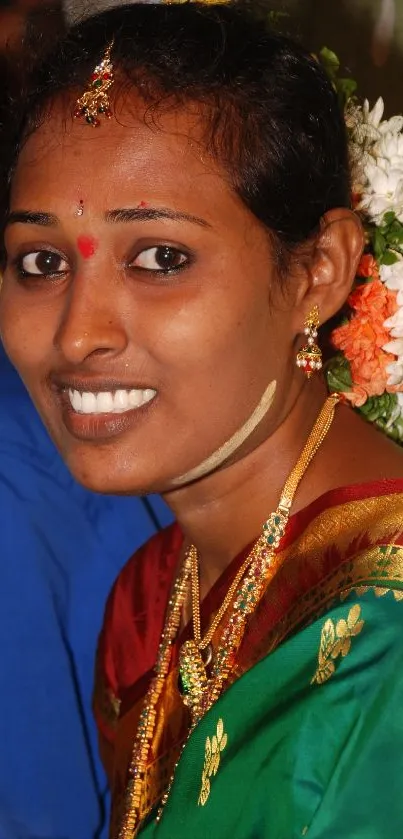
(95, 101)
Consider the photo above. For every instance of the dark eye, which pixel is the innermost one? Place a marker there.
(162, 258)
(43, 263)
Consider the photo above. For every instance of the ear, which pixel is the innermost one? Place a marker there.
(330, 268)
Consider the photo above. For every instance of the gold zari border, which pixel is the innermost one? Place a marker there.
(379, 568)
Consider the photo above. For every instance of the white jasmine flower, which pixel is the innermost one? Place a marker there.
(393, 125)
(395, 374)
(376, 153)
(395, 324)
(392, 276)
(390, 149)
(373, 117)
(384, 189)
(395, 347)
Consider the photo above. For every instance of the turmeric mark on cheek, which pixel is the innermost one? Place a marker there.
(87, 245)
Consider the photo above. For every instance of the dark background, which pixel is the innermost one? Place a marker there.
(366, 34)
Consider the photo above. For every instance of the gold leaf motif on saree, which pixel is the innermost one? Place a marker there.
(212, 758)
(335, 642)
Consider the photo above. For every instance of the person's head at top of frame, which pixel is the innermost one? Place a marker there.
(160, 267)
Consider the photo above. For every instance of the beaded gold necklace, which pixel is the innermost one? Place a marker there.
(200, 691)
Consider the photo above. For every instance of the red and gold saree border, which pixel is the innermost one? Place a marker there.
(334, 498)
(356, 544)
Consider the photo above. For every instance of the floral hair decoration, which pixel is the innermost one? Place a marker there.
(368, 367)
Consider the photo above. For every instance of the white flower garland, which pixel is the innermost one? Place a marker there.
(376, 150)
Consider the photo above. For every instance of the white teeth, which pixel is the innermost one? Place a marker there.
(88, 403)
(107, 402)
(136, 398)
(148, 394)
(121, 400)
(75, 399)
(104, 403)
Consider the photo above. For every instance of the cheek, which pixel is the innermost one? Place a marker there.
(216, 344)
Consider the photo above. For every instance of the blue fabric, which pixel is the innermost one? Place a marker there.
(61, 548)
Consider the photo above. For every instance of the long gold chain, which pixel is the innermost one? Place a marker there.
(259, 568)
(202, 643)
(147, 720)
(312, 445)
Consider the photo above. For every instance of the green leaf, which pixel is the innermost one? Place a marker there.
(330, 61)
(379, 408)
(394, 233)
(338, 374)
(389, 217)
(379, 243)
(346, 89)
(389, 258)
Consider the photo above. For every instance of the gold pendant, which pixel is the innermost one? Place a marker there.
(192, 681)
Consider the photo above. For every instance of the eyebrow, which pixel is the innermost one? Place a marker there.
(29, 217)
(112, 216)
(152, 214)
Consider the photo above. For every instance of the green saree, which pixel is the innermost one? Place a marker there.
(308, 738)
(307, 743)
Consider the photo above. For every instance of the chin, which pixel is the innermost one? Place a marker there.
(112, 473)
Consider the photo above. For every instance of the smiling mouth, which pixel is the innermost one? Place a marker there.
(109, 402)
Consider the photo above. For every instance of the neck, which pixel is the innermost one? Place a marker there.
(224, 511)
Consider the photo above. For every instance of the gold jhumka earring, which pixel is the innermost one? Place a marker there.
(95, 101)
(309, 358)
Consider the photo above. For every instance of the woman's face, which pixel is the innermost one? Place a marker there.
(138, 301)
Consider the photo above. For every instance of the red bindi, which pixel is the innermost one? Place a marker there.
(142, 205)
(87, 246)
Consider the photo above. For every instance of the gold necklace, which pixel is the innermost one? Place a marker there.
(204, 642)
(148, 716)
(201, 692)
(198, 690)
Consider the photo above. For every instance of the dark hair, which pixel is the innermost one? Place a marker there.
(270, 114)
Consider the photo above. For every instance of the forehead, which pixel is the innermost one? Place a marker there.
(130, 152)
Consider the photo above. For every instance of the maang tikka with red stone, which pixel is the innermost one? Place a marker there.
(95, 101)
(309, 358)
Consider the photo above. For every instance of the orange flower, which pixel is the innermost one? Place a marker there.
(368, 267)
(357, 396)
(362, 338)
(375, 301)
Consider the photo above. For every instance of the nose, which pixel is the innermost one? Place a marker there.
(91, 321)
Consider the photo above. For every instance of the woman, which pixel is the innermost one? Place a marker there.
(173, 266)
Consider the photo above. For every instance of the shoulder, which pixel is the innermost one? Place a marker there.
(364, 452)
(145, 572)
